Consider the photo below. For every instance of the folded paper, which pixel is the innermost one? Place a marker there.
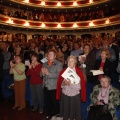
(71, 75)
(97, 72)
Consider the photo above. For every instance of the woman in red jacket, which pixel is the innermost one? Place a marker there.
(71, 94)
(35, 83)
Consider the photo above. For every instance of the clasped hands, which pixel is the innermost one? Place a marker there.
(99, 102)
(31, 65)
(66, 82)
(12, 65)
(44, 71)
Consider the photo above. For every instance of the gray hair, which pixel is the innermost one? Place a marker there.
(104, 76)
(74, 57)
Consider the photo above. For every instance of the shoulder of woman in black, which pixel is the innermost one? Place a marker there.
(97, 64)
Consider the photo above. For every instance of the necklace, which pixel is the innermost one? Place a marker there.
(103, 96)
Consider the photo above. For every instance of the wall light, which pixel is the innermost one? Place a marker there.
(90, 1)
(59, 4)
(42, 25)
(26, 24)
(107, 21)
(59, 25)
(10, 21)
(26, 1)
(91, 24)
(75, 25)
(43, 3)
(75, 3)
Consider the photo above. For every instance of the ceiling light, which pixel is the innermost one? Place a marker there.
(59, 4)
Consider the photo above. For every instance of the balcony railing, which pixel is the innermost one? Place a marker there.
(16, 22)
(61, 4)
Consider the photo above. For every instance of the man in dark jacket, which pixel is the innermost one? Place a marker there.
(1, 69)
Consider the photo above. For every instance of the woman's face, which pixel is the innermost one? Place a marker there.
(103, 55)
(17, 59)
(17, 50)
(86, 49)
(36, 50)
(51, 55)
(33, 59)
(65, 46)
(104, 82)
(71, 63)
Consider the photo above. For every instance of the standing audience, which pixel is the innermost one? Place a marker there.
(97, 53)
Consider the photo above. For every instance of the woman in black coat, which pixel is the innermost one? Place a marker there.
(87, 61)
(103, 64)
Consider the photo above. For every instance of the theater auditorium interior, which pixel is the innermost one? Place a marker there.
(31, 31)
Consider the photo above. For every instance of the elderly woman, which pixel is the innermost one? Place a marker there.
(70, 93)
(106, 92)
(50, 72)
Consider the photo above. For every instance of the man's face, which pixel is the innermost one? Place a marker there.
(105, 43)
(76, 46)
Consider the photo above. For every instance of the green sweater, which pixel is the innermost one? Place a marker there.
(18, 77)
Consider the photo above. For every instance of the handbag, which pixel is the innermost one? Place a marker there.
(99, 112)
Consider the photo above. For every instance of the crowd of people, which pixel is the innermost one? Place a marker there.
(59, 17)
(48, 87)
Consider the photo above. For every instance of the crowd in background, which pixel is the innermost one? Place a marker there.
(59, 17)
(94, 53)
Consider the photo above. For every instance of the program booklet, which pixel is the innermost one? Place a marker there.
(44, 60)
(97, 72)
(71, 75)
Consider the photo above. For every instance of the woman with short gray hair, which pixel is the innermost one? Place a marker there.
(106, 92)
(71, 93)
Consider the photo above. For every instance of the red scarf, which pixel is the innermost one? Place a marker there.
(49, 63)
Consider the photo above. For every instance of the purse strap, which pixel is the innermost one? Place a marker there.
(102, 101)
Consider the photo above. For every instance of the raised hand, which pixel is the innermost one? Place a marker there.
(12, 64)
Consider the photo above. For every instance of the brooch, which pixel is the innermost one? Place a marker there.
(53, 63)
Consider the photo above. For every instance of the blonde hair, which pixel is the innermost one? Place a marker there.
(18, 47)
(107, 53)
(74, 57)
